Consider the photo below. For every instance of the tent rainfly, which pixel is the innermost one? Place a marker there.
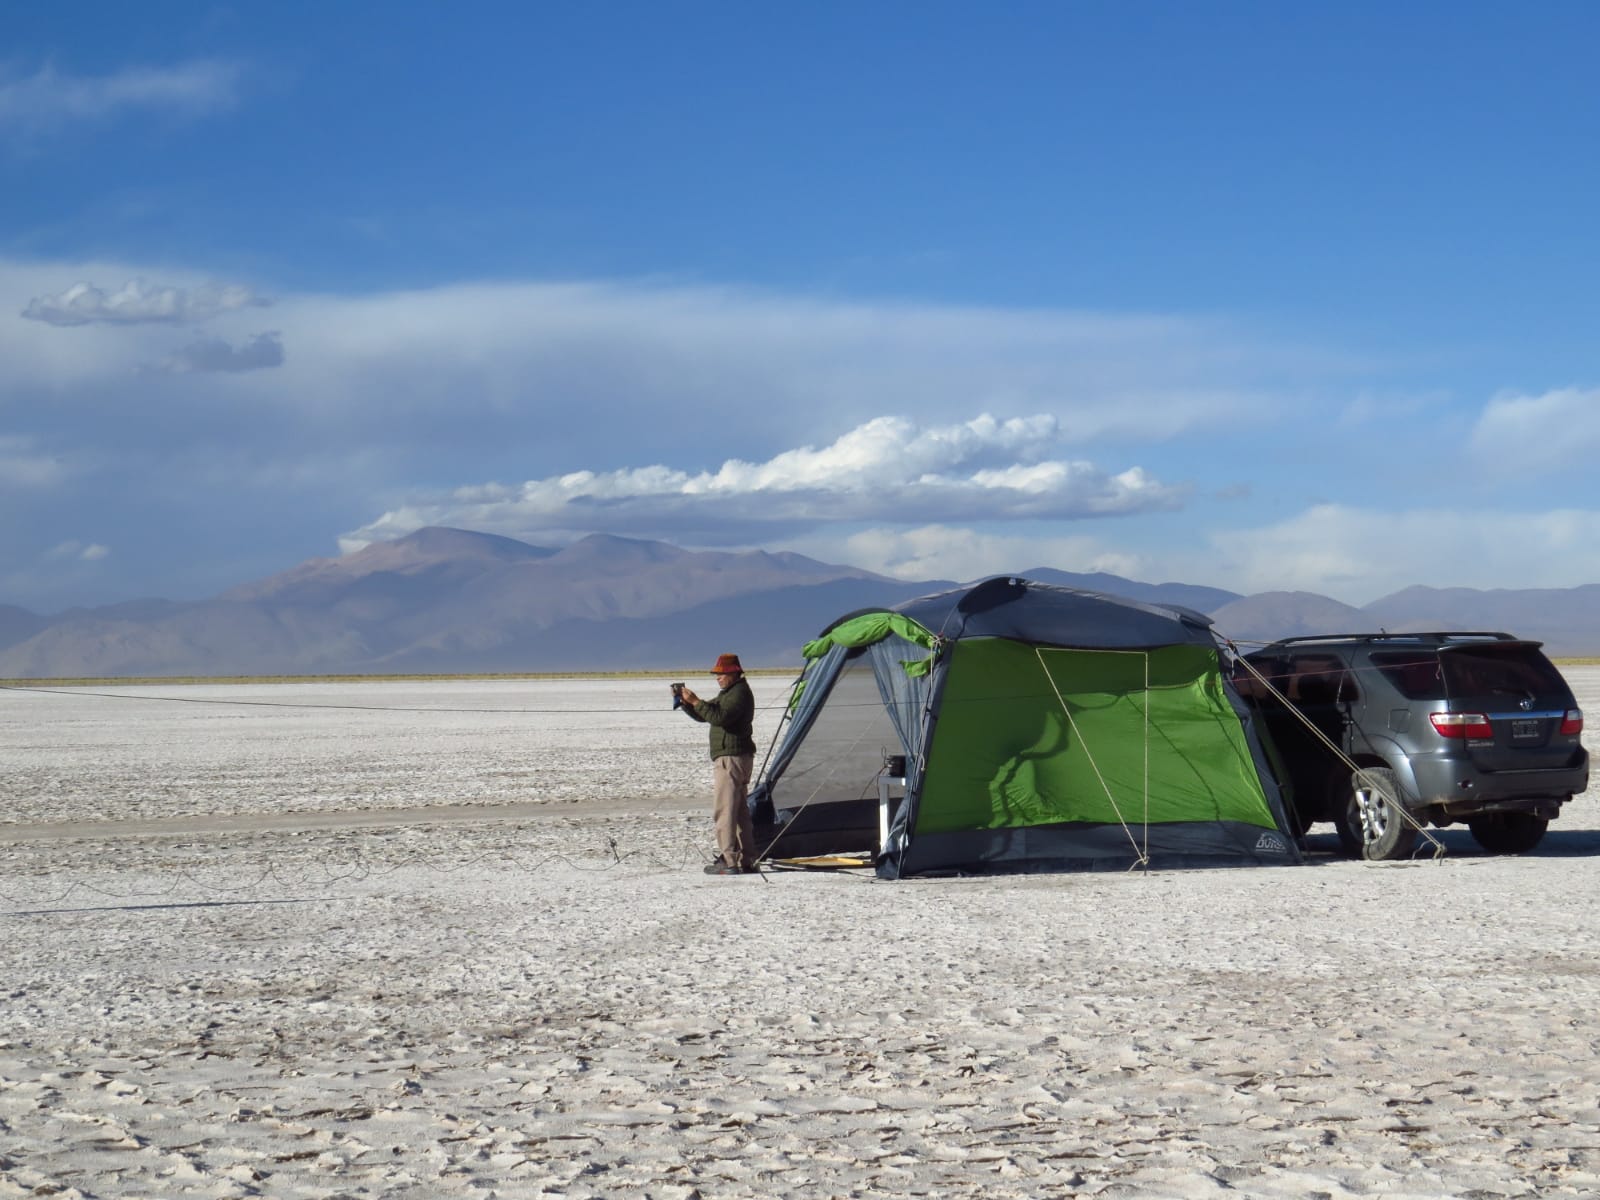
(1025, 727)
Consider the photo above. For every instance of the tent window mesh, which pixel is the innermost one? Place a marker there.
(844, 751)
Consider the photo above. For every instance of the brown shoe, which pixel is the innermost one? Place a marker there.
(722, 868)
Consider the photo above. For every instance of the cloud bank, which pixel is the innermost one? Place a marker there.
(1349, 552)
(960, 553)
(215, 354)
(1520, 434)
(77, 551)
(1152, 447)
(24, 467)
(137, 302)
(889, 468)
(50, 98)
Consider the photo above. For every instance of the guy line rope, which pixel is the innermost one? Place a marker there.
(1142, 852)
(1372, 784)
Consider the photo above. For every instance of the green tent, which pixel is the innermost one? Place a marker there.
(1018, 726)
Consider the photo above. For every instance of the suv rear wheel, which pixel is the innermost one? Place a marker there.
(1369, 827)
(1507, 832)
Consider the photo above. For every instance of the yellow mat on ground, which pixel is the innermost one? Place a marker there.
(828, 861)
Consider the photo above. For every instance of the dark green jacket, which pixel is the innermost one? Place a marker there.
(730, 716)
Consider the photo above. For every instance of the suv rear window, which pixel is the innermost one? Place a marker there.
(1486, 670)
(1500, 670)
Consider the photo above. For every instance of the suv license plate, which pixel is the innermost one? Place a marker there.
(1524, 731)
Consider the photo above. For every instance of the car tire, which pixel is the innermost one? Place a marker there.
(1368, 825)
(1507, 832)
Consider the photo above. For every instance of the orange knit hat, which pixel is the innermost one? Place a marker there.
(726, 664)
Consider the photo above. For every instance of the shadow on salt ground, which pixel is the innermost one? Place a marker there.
(1561, 843)
(1322, 848)
(45, 912)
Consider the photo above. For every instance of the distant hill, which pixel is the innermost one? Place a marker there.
(763, 628)
(1566, 620)
(424, 562)
(18, 624)
(1269, 615)
(450, 600)
(1187, 595)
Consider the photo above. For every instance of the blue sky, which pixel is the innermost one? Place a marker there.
(1260, 296)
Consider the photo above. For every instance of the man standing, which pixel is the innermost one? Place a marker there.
(733, 755)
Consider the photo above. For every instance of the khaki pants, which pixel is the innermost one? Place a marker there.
(736, 837)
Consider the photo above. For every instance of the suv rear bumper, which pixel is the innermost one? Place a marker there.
(1460, 789)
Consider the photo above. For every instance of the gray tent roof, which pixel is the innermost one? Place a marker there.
(1046, 614)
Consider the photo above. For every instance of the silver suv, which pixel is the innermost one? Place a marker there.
(1474, 727)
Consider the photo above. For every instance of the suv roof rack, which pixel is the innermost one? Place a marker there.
(1437, 638)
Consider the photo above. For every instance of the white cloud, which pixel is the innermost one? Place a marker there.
(49, 98)
(76, 551)
(889, 468)
(1521, 433)
(1369, 408)
(963, 555)
(24, 467)
(215, 354)
(1359, 555)
(137, 302)
(883, 451)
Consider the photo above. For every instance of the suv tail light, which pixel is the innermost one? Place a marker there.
(1462, 725)
(1573, 721)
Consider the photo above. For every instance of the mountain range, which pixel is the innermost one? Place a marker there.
(451, 601)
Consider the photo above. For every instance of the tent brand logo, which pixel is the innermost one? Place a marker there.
(1271, 843)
